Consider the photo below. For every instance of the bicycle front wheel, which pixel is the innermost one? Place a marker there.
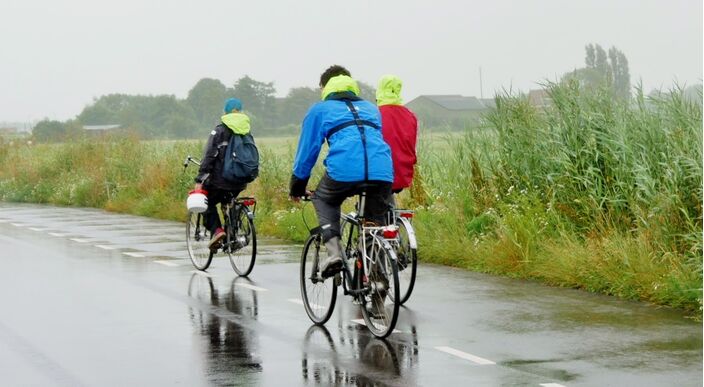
(241, 242)
(381, 302)
(407, 258)
(318, 293)
(197, 240)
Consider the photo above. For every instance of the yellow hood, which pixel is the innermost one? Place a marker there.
(338, 84)
(237, 122)
(389, 91)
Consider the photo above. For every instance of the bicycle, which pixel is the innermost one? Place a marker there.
(240, 235)
(372, 281)
(404, 244)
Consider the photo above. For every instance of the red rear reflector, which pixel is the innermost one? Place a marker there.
(407, 215)
(249, 202)
(389, 234)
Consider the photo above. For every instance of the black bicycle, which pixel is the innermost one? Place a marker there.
(372, 280)
(240, 235)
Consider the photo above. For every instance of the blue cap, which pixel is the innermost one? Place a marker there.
(233, 104)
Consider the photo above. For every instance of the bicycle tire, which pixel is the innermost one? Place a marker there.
(242, 246)
(407, 259)
(318, 294)
(382, 279)
(197, 240)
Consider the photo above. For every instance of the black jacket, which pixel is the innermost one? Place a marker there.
(210, 172)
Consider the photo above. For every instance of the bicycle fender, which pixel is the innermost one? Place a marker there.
(411, 232)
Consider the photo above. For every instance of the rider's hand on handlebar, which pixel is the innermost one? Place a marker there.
(198, 186)
(297, 199)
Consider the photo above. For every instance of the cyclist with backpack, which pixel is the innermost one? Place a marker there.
(230, 161)
(358, 158)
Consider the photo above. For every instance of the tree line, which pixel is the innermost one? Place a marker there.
(165, 116)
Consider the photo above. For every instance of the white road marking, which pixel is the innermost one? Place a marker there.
(56, 234)
(79, 240)
(465, 355)
(17, 224)
(252, 287)
(38, 229)
(362, 322)
(551, 385)
(105, 247)
(135, 255)
(167, 263)
(300, 302)
(4, 220)
(204, 274)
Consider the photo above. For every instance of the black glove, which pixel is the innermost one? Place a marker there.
(297, 187)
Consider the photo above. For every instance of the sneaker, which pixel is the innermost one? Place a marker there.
(331, 264)
(216, 241)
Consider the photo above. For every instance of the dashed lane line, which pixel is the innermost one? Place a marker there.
(17, 224)
(134, 255)
(105, 247)
(79, 240)
(167, 263)
(204, 274)
(300, 302)
(551, 385)
(57, 234)
(465, 355)
(251, 287)
(38, 229)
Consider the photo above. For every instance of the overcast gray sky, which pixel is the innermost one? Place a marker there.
(56, 56)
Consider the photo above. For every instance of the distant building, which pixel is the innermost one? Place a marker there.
(454, 111)
(101, 127)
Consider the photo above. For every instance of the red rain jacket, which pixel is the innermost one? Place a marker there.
(400, 129)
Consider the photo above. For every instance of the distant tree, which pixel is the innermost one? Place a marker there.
(293, 108)
(367, 91)
(206, 99)
(257, 98)
(47, 130)
(161, 116)
(604, 70)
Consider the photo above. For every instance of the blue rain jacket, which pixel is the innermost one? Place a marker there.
(331, 119)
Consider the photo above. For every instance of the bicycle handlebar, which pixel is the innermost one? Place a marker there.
(190, 159)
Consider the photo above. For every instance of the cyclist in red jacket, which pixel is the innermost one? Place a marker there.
(399, 127)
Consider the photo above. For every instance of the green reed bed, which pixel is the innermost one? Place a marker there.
(592, 192)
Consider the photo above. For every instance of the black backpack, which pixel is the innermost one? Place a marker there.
(241, 164)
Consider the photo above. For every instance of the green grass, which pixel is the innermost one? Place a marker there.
(590, 193)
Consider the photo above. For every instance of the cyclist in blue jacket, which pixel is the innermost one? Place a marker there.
(358, 158)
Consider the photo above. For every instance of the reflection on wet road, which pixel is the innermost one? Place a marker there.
(92, 298)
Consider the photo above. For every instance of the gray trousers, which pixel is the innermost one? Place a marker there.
(330, 194)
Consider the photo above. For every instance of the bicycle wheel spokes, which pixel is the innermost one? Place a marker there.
(318, 294)
(241, 242)
(197, 240)
(407, 260)
(380, 305)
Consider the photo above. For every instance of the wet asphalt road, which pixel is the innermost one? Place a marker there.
(91, 298)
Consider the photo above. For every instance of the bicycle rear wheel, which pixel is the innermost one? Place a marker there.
(407, 259)
(318, 294)
(241, 241)
(380, 305)
(197, 240)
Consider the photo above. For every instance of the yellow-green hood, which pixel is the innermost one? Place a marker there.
(339, 84)
(389, 91)
(237, 122)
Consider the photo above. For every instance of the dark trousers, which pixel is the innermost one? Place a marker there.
(211, 218)
(330, 194)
